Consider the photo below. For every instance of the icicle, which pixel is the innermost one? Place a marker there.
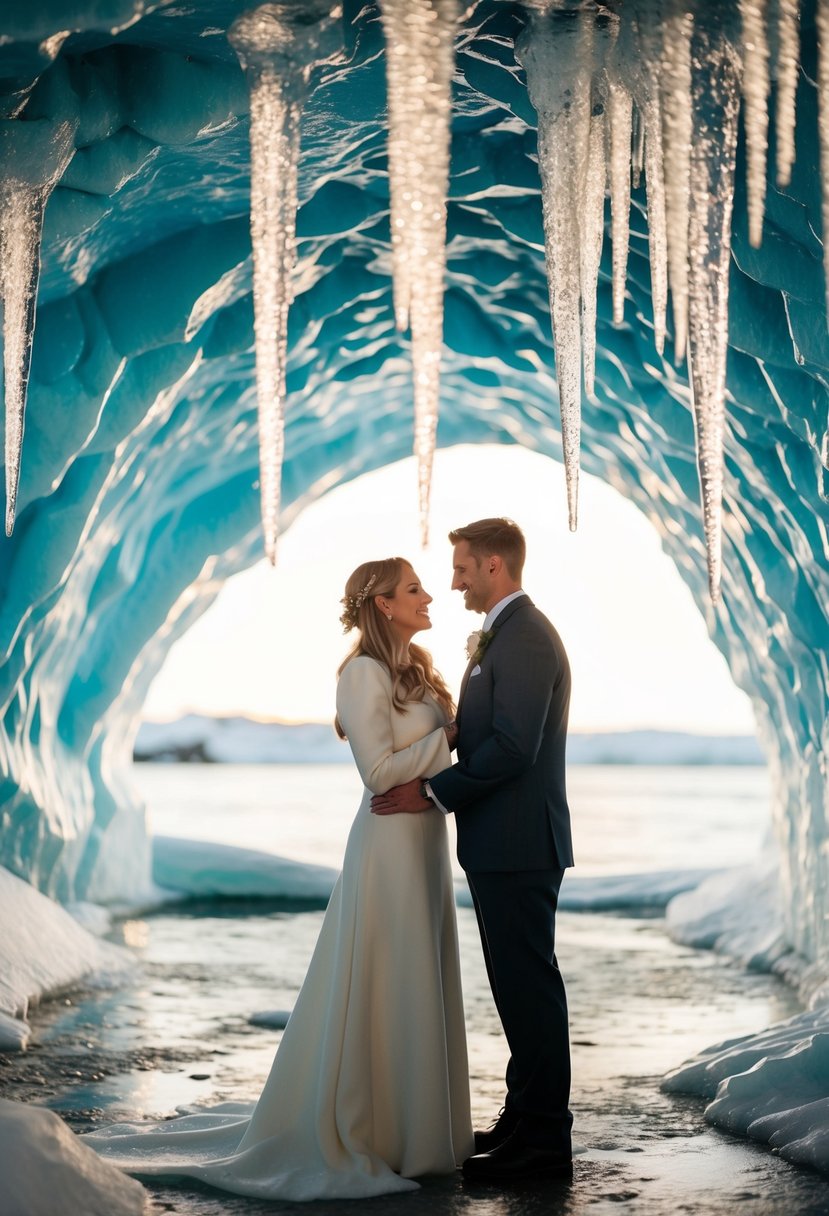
(716, 100)
(822, 19)
(787, 63)
(677, 127)
(593, 229)
(278, 46)
(621, 133)
(638, 159)
(646, 90)
(556, 56)
(33, 156)
(756, 114)
(420, 59)
(657, 231)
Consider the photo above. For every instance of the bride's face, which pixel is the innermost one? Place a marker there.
(410, 605)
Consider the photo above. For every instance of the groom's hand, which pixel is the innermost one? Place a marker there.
(402, 798)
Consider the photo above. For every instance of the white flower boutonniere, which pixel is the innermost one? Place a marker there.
(477, 643)
(473, 642)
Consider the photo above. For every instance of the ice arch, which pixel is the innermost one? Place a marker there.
(137, 493)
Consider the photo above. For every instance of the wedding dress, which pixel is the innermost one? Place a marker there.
(369, 1087)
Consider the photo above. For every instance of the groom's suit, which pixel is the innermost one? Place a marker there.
(507, 791)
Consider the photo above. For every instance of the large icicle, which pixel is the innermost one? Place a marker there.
(593, 228)
(646, 92)
(556, 51)
(278, 46)
(756, 85)
(677, 126)
(786, 67)
(620, 106)
(33, 156)
(420, 57)
(716, 103)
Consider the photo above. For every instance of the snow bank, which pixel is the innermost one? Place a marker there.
(197, 868)
(736, 912)
(198, 737)
(614, 892)
(48, 1171)
(42, 950)
(772, 1086)
(201, 868)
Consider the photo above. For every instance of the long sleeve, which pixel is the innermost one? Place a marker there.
(365, 709)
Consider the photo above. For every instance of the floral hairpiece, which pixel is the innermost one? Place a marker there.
(353, 604)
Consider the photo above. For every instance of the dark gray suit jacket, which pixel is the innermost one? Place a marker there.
(507, 789)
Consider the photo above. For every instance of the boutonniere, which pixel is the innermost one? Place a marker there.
(477, 642)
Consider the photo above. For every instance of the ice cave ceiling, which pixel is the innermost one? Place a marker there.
(138, 491)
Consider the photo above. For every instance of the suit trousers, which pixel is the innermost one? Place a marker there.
(516, 913)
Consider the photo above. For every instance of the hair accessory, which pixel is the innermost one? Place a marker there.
(353, 604)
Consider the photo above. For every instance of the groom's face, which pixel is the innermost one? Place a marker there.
(470, 577)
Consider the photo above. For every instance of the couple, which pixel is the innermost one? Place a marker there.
(369, 1088)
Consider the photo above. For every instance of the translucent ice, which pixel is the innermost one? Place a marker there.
(420, 57)
(278, 45)
(33, 155)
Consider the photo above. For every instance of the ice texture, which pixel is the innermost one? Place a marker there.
(137, 493)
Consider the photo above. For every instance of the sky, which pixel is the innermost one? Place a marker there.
(640, 654)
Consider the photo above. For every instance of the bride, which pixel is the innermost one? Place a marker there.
(369, 1087)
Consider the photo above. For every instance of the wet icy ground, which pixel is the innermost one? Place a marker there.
(640, 1004)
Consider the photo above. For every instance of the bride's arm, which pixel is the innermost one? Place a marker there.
(365, 708)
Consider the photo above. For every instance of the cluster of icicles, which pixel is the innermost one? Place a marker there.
(623, 89)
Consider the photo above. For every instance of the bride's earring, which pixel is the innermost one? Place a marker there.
(388, 614)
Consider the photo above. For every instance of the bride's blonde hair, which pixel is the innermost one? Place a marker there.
(412, 671)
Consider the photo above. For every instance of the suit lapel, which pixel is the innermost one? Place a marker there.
(501, 620)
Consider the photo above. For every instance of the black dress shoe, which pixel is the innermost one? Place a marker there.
(501, 1129)
(516, 1158)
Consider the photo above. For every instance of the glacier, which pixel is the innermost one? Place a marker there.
(138, 492)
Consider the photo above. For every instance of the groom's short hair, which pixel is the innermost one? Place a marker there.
(499, 536)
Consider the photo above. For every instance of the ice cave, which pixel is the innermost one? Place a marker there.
(438, 175)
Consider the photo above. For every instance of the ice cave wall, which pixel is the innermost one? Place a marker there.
(137, 496)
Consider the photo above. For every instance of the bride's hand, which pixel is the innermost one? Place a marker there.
(451, 729)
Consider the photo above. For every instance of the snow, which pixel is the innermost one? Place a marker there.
(771, 1086)
(48, 1171)
(42, 951)
(200, 868)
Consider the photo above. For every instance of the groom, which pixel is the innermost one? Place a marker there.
(508, 795)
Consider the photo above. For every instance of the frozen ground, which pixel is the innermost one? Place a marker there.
(640, 1005)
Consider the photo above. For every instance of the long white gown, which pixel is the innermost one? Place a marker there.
(369, 1087)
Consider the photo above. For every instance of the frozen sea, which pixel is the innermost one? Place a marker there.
(180, 1033)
